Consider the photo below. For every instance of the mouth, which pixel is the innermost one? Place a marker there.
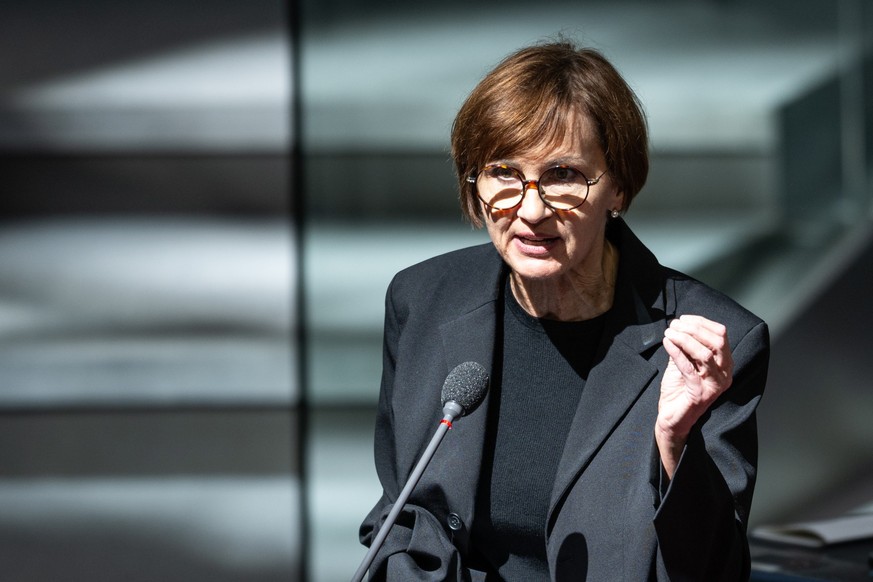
(532, 239)
(535, 245)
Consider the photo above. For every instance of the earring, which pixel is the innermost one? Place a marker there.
(615, 213)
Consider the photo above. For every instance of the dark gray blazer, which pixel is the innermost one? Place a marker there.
(613, 516)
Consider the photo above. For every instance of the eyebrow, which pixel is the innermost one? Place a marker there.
(575, 162)
(567, 161)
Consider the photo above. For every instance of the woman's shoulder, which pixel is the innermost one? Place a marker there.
(457, 279)
(695, 297)
(683, 294)
(471, 263)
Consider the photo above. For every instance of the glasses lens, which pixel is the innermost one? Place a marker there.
(499, 187)
(564, 188)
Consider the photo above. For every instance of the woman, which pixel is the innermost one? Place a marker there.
(618, 439)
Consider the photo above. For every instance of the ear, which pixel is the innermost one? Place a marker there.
(619, 200)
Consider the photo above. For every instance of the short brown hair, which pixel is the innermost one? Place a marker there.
(534, 94)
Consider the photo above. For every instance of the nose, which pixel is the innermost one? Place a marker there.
(532, 208)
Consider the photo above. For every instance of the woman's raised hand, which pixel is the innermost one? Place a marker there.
(700, 369)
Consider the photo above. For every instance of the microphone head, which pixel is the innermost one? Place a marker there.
(466, 385)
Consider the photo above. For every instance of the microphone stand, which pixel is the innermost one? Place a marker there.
(451, 410)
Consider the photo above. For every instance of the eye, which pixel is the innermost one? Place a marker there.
(564, 174)
(503, 173)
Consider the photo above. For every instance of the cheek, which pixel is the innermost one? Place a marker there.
(585, 229)
(495, 230)
(496, 223)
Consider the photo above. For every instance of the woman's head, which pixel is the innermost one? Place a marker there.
(532, 99)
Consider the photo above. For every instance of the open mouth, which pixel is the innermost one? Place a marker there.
(536, 246)
(537, 240)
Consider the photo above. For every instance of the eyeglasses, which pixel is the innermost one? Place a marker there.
(503, 187)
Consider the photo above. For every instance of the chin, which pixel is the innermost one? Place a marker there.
(535, 269)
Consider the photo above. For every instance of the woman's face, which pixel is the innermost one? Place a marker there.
(540, 243)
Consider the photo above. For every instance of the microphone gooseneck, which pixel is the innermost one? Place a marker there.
(463, 390)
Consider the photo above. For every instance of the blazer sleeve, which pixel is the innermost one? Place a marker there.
(702, 520)
(418, 547)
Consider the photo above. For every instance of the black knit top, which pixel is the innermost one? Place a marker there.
(545, 365)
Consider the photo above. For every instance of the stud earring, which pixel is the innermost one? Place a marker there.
(615, 213)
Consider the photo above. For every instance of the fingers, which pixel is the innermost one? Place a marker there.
(685, 366)
(702, 345)
(709, 334)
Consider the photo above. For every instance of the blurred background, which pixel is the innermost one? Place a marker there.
(201, 205)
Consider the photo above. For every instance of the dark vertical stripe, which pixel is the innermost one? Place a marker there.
(297, 208)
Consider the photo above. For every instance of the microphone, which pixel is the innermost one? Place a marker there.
(463, 390)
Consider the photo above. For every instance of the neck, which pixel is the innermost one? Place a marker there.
(576, 296)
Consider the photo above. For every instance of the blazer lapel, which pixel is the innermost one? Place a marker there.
(633, 329)
(612, 388)
(470, 337)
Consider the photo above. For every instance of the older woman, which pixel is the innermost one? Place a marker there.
(618, 439)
